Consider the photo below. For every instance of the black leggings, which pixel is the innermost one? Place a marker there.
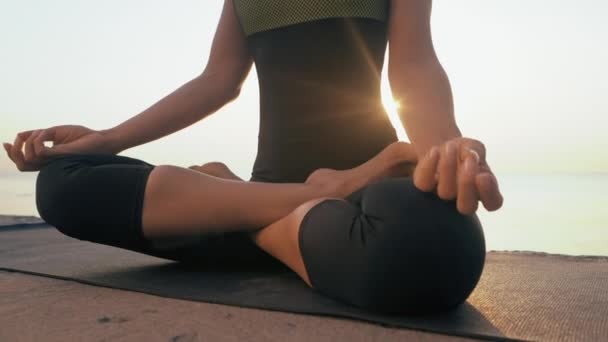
(387, 247)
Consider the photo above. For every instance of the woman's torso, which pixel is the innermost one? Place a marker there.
(318, 65)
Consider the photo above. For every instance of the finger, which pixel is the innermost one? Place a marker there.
(448, 167)
(17, 150)
(18, 162)
(475, 147)
(49, 134)
(30, 154)
(18, 159)
(424, 174)
(61, 149)
(7, 148)
(489, 193)
(473, 153)
(39, 142)
(18, 143)
(467, 201)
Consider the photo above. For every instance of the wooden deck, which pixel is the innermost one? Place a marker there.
(36, 308)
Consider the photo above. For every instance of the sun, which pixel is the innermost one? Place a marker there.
(392, 107)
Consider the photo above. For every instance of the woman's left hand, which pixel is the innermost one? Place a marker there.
(457, 169)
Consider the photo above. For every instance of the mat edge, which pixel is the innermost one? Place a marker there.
(318, 314)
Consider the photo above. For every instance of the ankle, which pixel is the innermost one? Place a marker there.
(399, 152)
(400, 159)
(340, 188)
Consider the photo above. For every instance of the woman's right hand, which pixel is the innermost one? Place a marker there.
(29, 153)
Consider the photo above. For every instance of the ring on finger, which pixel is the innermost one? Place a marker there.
(477, 157)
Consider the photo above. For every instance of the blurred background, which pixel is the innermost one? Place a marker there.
(529, 80)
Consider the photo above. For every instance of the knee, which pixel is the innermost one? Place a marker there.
(49, 193)
(61, 199)
(424, 255)
(164, 180)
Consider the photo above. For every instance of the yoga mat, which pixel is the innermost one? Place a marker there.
(521, 296)
(10, 221)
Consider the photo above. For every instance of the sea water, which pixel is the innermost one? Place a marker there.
(17, 194)
(566, 214)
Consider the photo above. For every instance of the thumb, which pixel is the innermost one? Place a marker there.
(56, 150)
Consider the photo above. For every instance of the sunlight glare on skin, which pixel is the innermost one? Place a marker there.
(392, 106)
(389, 103)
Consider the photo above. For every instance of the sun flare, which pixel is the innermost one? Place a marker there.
(392, 107)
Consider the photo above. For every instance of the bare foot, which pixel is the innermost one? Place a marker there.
(336, 182)
(396, 160)
(216, 169)
(403, 159)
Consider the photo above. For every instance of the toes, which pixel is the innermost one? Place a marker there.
(215, 165)
(216, 169)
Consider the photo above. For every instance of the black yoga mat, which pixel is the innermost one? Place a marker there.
(526, 296)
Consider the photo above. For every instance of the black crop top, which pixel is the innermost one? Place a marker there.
(318, 64)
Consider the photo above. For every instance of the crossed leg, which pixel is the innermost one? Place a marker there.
(280, 238)
(387, 247)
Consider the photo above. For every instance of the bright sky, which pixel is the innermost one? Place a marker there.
(529, 77)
